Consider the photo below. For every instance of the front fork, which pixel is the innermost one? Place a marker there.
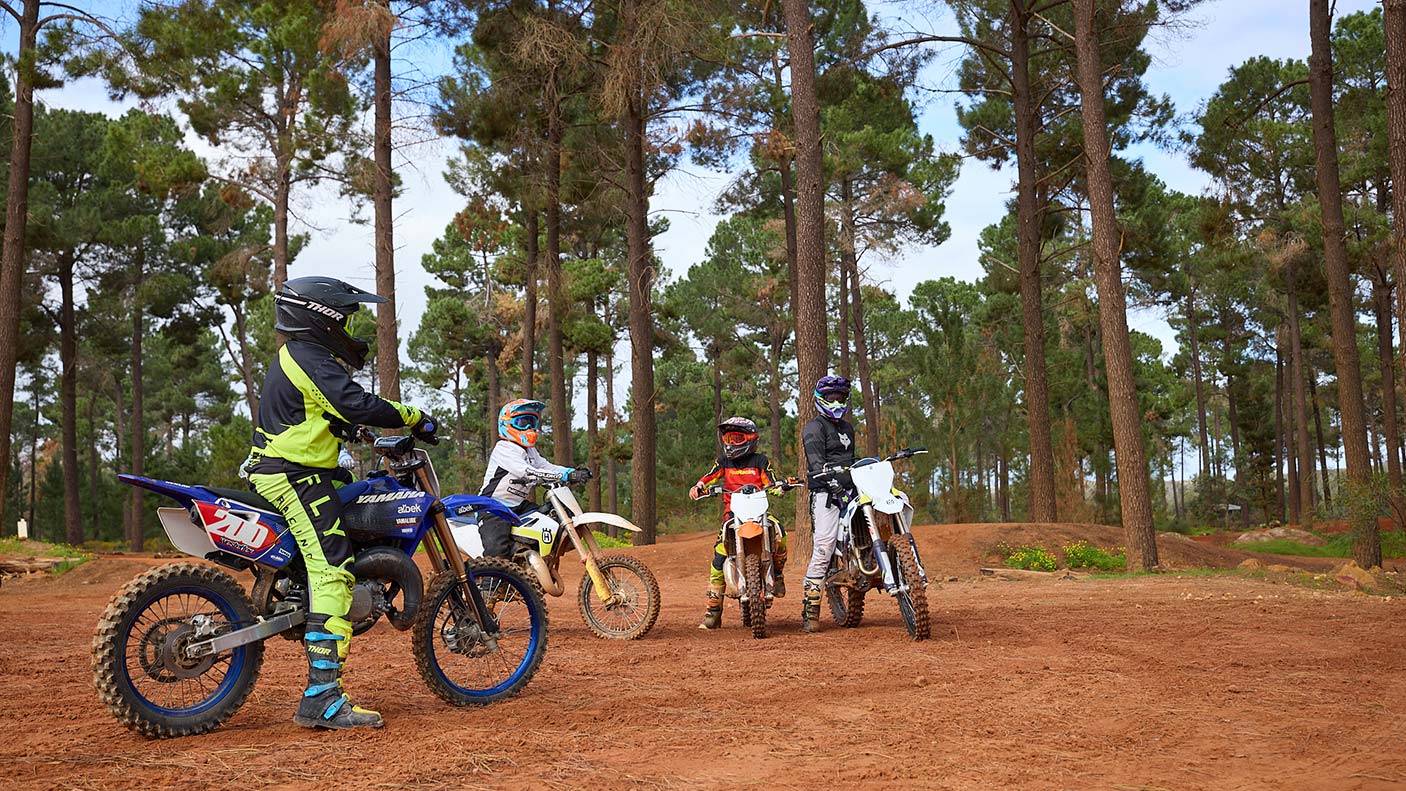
(587, 548)
(446, 556)
(876, 542)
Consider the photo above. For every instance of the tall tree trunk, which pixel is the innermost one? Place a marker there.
(1322, 446)
(68, 393)
(1193, 340)
(778, 338)
(1140, 535)
(12, 257)
(812, 357)
(1299, 376)
(556, 304)
(93, 464)
(387, 339)
(1029, 216)
(1381, 303)
(495, 388)
(868, 390)
(246, 362)
(846, 262)
(1280, 434)
(282, 189)
(592, 417)
(34, 457)
(788, 199)
(529, 313)
(1366, 543)
(1005, 484)
(611, 438)
(138, 421)
(642, 274)
(1394, 22)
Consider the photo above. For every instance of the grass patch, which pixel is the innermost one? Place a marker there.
(1339, 546)
(38, 549)
(72, 557)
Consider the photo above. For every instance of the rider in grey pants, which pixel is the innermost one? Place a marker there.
(829, 440)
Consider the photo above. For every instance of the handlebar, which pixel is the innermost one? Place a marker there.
(831, 470)
(776, 487)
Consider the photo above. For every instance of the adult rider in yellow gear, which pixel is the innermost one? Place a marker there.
(308, 395)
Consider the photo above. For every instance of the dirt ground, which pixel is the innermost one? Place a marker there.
(1172, 682)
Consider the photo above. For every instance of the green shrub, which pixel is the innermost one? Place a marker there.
(606, 542)
(1030, 558)
(1083, 555)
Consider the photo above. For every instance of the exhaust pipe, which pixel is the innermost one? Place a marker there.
(550, 584)
(392, 565)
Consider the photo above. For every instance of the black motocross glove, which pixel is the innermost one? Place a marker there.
(425, 429)
(833, 486)
(578, 475)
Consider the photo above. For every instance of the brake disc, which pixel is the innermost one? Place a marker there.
(174, 658)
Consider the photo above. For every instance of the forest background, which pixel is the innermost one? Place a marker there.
(689, 110)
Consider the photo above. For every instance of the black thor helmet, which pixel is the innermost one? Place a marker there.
(317, 309)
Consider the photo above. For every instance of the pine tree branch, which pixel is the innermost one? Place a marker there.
(1267, 100)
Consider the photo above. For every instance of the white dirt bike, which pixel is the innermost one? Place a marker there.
(875, 548)
(748, 538)
(618, 597)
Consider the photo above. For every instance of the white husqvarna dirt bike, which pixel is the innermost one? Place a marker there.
(748, 538)
(876, 547)
(618, 597)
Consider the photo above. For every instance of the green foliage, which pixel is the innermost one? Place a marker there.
(606, 542)
(1083, 555)
(1029, 558)
(1339, 546)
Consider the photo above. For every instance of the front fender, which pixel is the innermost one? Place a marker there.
(605, 519)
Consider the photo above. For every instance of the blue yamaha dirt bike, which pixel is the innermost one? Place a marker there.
(179, 647)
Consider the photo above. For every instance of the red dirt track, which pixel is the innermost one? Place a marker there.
(1164, 683)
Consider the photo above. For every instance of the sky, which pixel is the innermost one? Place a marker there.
(1188, 65)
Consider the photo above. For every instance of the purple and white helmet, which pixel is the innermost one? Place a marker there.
(832, 396)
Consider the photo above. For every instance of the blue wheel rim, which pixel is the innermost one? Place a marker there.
(236, 664)
(535, 637)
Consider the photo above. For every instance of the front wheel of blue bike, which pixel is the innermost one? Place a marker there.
(462, 662)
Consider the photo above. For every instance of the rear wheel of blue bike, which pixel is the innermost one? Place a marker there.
(142, 666)
(460, 661)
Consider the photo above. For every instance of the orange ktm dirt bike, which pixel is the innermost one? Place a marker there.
(876, 547)
(179, 647)
(748, 537)
(618, 597)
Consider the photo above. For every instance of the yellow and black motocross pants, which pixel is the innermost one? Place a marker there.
(307, 497)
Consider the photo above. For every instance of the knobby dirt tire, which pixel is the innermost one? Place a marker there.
(917, 622)
(651, 599)
(111, 675)
(424, 634)
(756, 595)
(846, 603)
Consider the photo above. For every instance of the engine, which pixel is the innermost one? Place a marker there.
(387, 583)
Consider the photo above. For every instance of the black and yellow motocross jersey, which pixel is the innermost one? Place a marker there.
(308, 391)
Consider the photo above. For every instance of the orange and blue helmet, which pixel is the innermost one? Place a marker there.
(519, 421)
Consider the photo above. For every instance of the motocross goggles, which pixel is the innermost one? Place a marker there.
(737, 437)
(526, 422)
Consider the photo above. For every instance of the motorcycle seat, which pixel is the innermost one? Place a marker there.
(244, 496)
